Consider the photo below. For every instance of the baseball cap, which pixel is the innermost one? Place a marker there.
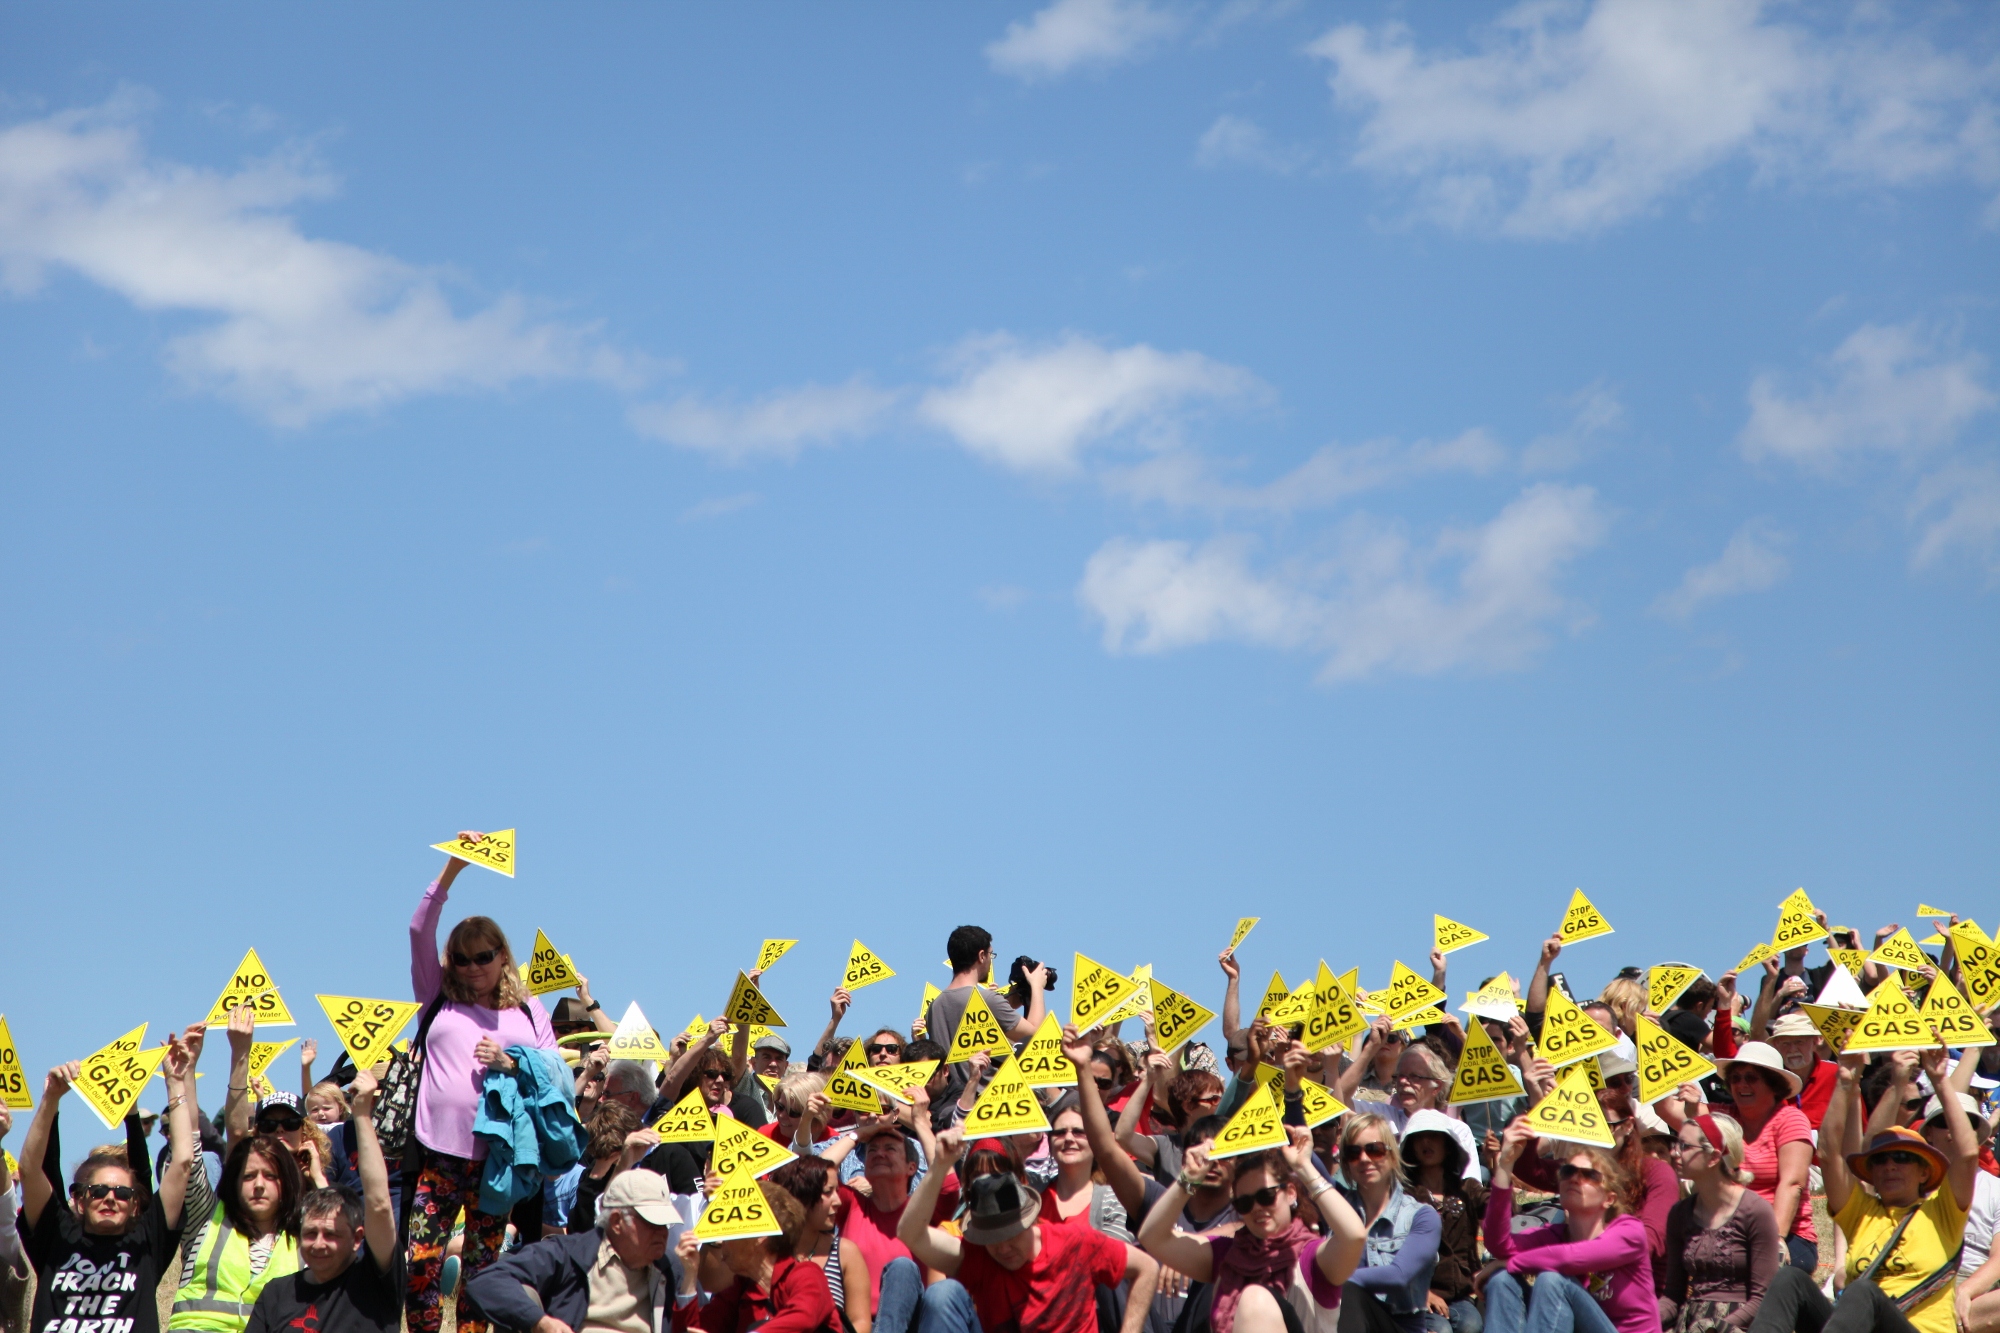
(279, 1101)
(645, 1193)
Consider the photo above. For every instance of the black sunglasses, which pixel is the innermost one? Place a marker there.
(1899, 1158)
(883, 1048)
(1352, 1152)
(122, 1193)
(722, 1074)
(1571, 1171)
(1262, 1198)
(480, 959)
(282, 1121)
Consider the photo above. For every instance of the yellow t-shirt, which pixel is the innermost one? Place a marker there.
(1929, 1243)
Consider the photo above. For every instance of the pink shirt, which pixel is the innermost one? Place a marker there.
(1788, 1124)
(1615, 1268)
(453, 1079)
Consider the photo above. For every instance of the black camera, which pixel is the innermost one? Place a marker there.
(1017, 975)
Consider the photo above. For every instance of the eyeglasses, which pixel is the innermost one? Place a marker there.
(722, 1074)
(1416, 1078)
(480, 959)
(1105, 1084)
(1609, 1123)
(1898, 1157)
(278, 1123)
(883, 1048)
(122, 1193)
(1588, 1174)
(1206, 1099)
(1352, 1152)
(1682, 1145)
(1262, 1198)
(1076, 1132)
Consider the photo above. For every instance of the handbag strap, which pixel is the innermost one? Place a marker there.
(1882, 1255)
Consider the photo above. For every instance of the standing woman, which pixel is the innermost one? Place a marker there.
(1722, 1240)
(1777, 1143)
(1592, 1272)
(246, 1231)
(476, 1008)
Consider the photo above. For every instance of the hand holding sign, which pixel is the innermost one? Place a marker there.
(495, 851)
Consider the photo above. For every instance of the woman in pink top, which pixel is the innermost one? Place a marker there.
(1592, 1271)
(476, 1008)
(1777, 1143)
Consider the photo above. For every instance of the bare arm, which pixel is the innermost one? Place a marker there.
(1346, 1236)
(928, 1245)
(1794, 1166)
(841, 999)
(182, 1134)
(598, 1018)
(1142, 1271)
(1119, 1170)
(308, 1052)
(1840, 1133)
(36, 1187)
(379, 1211)
(739, 1053)
(684, 1063)
(1964, 1153)
(1437, 969)
(1232, 998)
(1350, 1077)
(236, 1107)
(1889, 1106)
(1129, 1138)
(1157, 1236)
(1538, 984)
(860, 1297)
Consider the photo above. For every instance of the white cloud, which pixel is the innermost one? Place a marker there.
(1892, 392)
(1958, 508)
(1187, 480)
(1475, 599)
(1751, 562)
(297, 328)
(1569, 118)
(1237, 141)
(1596, 411)
(777, 425)
(1072, 33)
(1035, 409)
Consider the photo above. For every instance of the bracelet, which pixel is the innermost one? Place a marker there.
(239, 1087)
(1188, 1180)
(592, 1007)
(173, 1102)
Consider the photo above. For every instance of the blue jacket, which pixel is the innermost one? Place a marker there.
(1402, 1249)
(552, 1277)
(527, 1119)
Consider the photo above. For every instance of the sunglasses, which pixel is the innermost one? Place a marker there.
(122, 1193)
(722, 1074)
(1262, 1198)
(480, 959)
(883, 1048)
(1353, 1152)
(1068, 1133)
(1899, 1158)
(1588, 1174)
(279, 1123)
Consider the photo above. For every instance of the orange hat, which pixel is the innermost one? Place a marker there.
(1899, 1139)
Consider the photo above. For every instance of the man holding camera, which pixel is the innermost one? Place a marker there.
(970, 950)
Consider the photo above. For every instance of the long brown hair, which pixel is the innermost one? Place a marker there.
(291, 1184)
(476, 934)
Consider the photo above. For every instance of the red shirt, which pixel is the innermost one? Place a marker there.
(798, 1302)
(1052, 1293)
(873, 1230)
(1818, 1091)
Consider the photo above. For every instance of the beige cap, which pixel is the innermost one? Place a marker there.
(645, 1193)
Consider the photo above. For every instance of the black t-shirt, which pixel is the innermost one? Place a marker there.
(111, 1282)
(365, 1298)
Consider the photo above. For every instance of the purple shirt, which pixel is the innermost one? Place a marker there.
(1615, 1268)
(453, 1079)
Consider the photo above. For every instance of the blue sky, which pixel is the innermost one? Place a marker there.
(1094, 470)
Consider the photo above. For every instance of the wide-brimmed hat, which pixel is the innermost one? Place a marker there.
(1898, 1139)
(1650, 1122)
(1794, 1025)
(998, 1207)
(1934, 1109)
(1762, 1056)
(1611, 1064)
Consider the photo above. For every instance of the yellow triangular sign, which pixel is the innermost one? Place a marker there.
(1582, 921)
(1139, 1002)
(1494, 1000)
(846, 1091)
(977, 1031)
(863, 968)
(1571, 1112)
(113, 1077)
(495, 851)
(1665, 1062)
(1318, 1104)
(1422, 1018)
(1755, 956)
(689, 1122)
(1899, 950)
(251, 984)
(1978, 964)
(924, 1009)
(1797, 926)
(1483, 1074)
(1335, 1017)
(1244, 925)
(1833, 1024)
(1041, 1062)
(741, 1151)
(1892, 1023)
(1449, 934)
(748, 1005)
(1350, 981)
(1409, 993)
(1008, 1106)
(635, 1038)
(770, 951)
(1275, 994)
(1951, 1017)
(1851, 959)
(1095, 991)
(738, 1211)
(1176, 1018)
(1272, 1077)
(897, 1080)
(1295, 1008)
(1936, 913)
(1257, 1124)
(696, 1028)
(1665, 984)
(548, 970)
(263, 1052)
(367, 1027)
(14, 1092)
(1568, 1033)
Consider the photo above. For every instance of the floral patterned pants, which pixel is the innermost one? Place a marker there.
(445, 1186)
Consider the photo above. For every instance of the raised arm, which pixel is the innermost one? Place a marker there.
(1841, 1132)
(1889, 1106)
(1538, 984)
(1159, 1235)
(1037, 1009)
(677, 1072)
(1232, 997)
(236, 1106)
(1152, 1089)
(379, 1210)
(308, 1052)
(929, 1246)
(1119, 1171)
(838, 1004)
(426, 973)
(1964, 1155)
(1339, 1256)
(598, 1018)
(183, 1134)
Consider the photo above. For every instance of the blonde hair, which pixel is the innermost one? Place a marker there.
(476, 934)
(1355, 1123)
(796, 1089)
(1732, 1148)
(1617, 1180)
(328, 1090)
(1626, 999)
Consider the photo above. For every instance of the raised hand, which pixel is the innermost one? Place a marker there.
(638, 1144)
(362, 1094)
(61, 1078)
(1226, 960)
(1551, 946)
(242, 1029)
(841, 999)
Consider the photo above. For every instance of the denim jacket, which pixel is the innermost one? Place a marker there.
(1400, 1253)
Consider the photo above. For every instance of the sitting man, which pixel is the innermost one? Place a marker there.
(618, 1274)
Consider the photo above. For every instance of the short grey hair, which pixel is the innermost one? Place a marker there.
(623, 1076)
(334, 1199)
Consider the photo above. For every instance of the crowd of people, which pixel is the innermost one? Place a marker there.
(509, 1164)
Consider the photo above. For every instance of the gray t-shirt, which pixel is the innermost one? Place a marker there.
(941, 1025)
